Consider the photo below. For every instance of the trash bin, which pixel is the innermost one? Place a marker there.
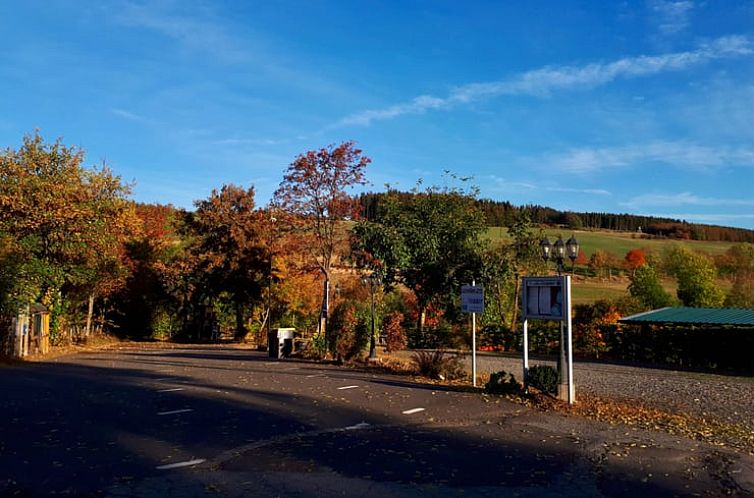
(280, 342)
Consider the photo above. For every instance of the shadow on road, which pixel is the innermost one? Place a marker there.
(81, 427)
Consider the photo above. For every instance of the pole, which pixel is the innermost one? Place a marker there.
(473, 344)
(526, 353)
(372, 342)
(567, 298)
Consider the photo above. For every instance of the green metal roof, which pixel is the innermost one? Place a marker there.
(694, 316)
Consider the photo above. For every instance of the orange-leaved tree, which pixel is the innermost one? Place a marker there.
(634, 259)
(230, 247)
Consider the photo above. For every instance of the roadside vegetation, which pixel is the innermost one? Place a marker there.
(73, 242)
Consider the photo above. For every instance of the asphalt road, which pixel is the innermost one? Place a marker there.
(223, 421)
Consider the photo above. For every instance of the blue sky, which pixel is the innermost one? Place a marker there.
(644, 107)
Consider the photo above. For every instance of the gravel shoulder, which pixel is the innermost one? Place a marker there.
(723, 398)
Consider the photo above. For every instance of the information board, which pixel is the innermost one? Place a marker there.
(545, 298)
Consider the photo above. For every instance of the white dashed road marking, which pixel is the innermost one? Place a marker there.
(360, 425)
(170, 390)
(347, 387)
(177, 465)
(412, 411)
(175, 412)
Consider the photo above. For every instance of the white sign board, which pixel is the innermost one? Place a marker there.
(545, 298)
(472, 298)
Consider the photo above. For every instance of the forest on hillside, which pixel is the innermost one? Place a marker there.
(503, 213)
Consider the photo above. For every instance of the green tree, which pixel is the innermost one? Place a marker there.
(428, 241)
(646, 287)
(695, 274)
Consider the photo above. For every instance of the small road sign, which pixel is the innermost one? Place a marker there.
(472, 298)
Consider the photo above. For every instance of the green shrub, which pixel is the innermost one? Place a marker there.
(502, 382)
(544, 378)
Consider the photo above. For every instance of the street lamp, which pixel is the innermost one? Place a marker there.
(374, 281)
(559, 251)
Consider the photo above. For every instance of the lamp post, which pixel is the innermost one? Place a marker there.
(558, 252)
(269, 281)
(374, 281)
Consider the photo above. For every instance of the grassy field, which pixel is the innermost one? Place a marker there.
(618, 243)
(590, 290)
(587, 290)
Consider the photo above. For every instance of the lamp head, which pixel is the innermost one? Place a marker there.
(572, 248)
(559, 248)
(545, 247)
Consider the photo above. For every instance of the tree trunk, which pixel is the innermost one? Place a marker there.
(89, 314)
(240, 329)
(514, 315)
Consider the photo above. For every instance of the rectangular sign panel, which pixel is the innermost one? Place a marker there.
(545, 298)
(472, 299)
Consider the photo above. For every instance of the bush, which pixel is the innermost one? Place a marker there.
(395, 335)
(350, 327)
(544, 378)
(437, 365)
(502, 383)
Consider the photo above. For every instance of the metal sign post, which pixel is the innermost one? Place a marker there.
(472, 301)
(549, 298)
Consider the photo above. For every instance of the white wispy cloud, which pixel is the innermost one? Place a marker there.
(678, 154)
(671, 17)
(542, 82)
(498, 184)
(123, 113)
(200, 32)
(683, 199)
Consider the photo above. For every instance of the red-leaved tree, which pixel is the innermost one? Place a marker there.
(314, 194)
(634, 259)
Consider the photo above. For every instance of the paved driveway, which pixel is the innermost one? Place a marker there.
(221, 421)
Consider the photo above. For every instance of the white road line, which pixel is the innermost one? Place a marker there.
(175, 412)
(315, 375)
(412, 411)
(347, 387)
(172, 389)
(360, 425)
(177, 465)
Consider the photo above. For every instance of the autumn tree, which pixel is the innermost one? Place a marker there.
(599, 263)
(231, 249)
(71, 222)
(634, 259)
(154, 300)
(737, 264)
(314, 194)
